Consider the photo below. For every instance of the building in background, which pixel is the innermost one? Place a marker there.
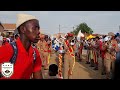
(1, 28)
(9, 28)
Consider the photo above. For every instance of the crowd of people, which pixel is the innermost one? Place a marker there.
(106, 48)
(101, 48)
(37, 47)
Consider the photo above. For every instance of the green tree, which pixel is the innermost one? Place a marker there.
(84, 29)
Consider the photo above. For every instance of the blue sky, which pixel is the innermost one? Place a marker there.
(100, 21)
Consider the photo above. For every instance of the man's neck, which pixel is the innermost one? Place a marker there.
(26, 43)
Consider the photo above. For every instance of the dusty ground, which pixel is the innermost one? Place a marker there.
(81, 70)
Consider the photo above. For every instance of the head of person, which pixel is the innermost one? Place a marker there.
(89, 39)
(46, 38)
(16, 36)
(53, 70)
(59, 36)
(41, 37)
(94, 39)
(113, 37)
(69, 36)
(28, 27)
(72, 43)
(97, 38)
(106, 39)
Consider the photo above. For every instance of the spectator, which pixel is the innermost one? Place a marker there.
(53, 71)
(25, 66)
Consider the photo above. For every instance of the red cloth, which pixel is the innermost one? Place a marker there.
(102, 52)
(24, 67)
(70, 34)
(100, 45)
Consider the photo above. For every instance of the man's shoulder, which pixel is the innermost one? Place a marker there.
(6, 46)
(6, 51)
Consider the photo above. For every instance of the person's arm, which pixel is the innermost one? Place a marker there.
(6, 53)
(116, 48)
(37, 73)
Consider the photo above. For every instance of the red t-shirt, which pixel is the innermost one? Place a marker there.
(24, 65)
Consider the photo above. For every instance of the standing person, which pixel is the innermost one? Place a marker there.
(114, 50)
(61, 60)
(81, 48)
(16, 37)
(96, 52)
(92, 53)
(109, 57)
(106, 57)
(113, 58)
(69, 61)
(88, 50)
(24, 65)
(77, 53)
(40, 48)
(102, 54)
(49, 49)
(116, 74)
(45, 53)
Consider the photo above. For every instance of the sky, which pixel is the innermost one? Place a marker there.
(101, 22)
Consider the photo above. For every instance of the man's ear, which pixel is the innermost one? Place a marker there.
(22, 29)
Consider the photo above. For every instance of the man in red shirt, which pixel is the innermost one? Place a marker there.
(24, 67)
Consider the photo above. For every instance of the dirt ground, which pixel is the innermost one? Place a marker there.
(81, 70)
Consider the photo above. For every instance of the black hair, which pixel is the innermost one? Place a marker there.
(94, 39)
(115, 36)
(97, 37)
(16, 35)
(72, 41)
(46, 36)
(53, 70)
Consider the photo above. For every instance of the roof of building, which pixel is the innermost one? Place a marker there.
(8, 26)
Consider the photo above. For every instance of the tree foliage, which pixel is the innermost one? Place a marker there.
(84, 29)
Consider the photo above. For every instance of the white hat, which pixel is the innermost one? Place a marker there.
(106, 39)
(22, 18)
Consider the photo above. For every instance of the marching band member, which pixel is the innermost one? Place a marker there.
(69, 61)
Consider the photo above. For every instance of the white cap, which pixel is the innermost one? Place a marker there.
(22, 18)
(106, 39)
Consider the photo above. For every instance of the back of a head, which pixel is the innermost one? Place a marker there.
(53, 68)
